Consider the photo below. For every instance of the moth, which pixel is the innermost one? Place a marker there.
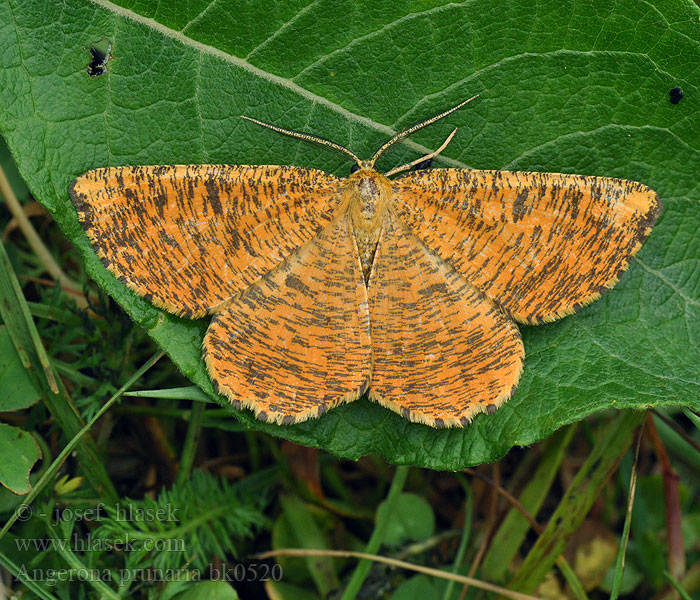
(322, 289)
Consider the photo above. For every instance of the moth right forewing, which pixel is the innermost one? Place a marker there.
(189, 237)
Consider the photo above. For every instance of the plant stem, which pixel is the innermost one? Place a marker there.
(377, 537)
(191, 442)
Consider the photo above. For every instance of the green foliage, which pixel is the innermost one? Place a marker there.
(411, 519)
(13, 176)
(581, 87)
(209, 590)
(187, 524)
(16, 387)
(19, 451)
(421, 587)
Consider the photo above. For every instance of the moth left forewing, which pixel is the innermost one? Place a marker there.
(541, 244)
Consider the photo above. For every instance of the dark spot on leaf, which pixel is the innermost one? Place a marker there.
(100, 53)
(675, 95)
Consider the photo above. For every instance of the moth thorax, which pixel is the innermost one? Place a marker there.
(368, 198)
(368, 203)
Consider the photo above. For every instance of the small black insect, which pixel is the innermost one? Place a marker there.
(675, 95)
(421, 166)
(100, 57)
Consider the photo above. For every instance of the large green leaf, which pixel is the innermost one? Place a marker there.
(578, 86)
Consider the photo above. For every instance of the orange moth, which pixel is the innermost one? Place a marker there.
(323, 289)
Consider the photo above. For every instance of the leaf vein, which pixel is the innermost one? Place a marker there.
(659, 275)
(613, 126)
(282, 28)
(193, 20)
(270, 77)
(627, 362)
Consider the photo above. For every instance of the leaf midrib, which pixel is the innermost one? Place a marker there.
(289, 84)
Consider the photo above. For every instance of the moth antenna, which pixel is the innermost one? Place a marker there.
(413, 128)
(307, 137)
(407, 166)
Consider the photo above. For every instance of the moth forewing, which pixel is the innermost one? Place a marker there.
(540, 244)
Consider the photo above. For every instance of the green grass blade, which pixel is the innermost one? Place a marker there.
(577, 500)
(15, 313)
(511, 533)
